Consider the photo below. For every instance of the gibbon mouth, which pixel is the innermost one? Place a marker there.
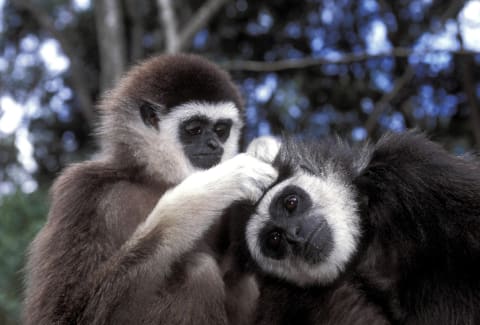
(205, 160)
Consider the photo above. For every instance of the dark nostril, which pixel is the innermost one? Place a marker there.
(274, 240)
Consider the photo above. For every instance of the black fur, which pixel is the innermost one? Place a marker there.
(418, 261)
(423, 208)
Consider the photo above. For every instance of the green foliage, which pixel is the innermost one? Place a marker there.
(21, 216)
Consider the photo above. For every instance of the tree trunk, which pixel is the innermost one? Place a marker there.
(111, 41)
(135, 11)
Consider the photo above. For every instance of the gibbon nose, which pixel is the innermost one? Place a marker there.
(213, 144)
(312, 238)
(309, 237)
(302, 230)
(293, 235)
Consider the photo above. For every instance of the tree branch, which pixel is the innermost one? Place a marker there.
(177, 41)
(406, 109)
(199, 21)
(387, 97)
(135, 11)
(79, 80)
(404, 79)
(290, 64)
(261, 66)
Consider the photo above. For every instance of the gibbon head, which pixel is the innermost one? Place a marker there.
(306, 228)
(172, 114)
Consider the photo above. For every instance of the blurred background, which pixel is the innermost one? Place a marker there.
(311, 67)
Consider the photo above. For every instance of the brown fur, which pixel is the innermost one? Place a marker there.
(86, 266)
(179, 79)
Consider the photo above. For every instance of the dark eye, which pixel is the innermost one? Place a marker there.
(220, 129)
(290, 203)
(274, 239)
(193, 129)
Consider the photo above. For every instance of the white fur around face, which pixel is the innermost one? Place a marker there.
(334, 200)
(168, 158)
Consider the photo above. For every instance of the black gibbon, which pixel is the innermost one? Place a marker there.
(387, 233)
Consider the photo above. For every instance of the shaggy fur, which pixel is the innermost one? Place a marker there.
(418, 258)
(124, 242)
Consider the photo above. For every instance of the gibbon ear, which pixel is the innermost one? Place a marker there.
(150, 113)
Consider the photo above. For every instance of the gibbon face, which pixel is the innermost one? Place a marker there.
(206, 133)
(306, 228)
